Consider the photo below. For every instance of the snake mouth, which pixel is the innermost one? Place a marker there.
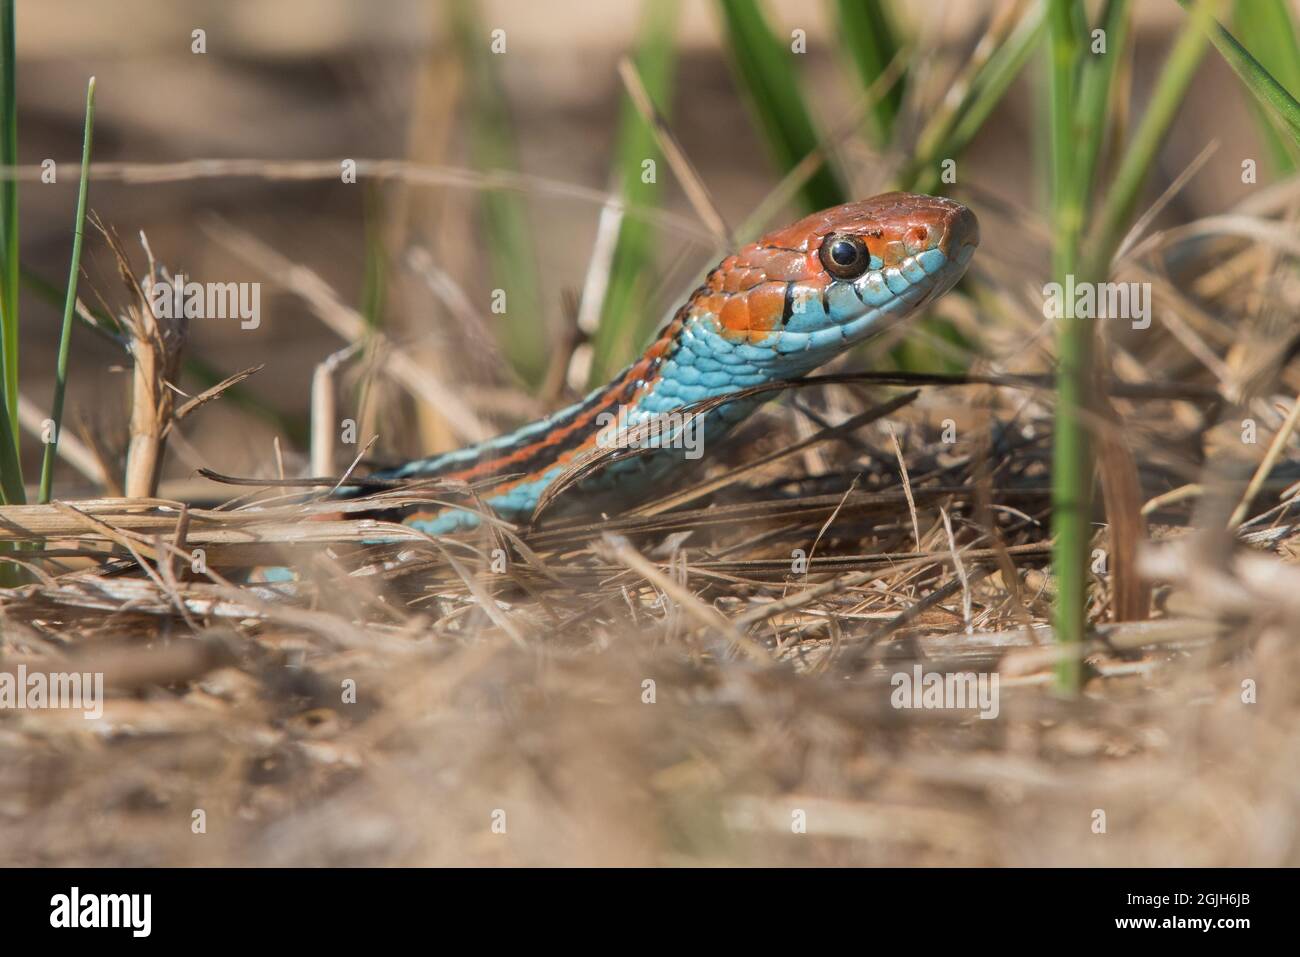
(959, 237)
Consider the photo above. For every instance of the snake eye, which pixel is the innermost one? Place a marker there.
(845, 257)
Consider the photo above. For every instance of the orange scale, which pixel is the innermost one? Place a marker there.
(766, 303)
(734, 316)
(739, 279)
(778, 264)
(712, 303)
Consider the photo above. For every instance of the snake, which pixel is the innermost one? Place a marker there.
(775, 309)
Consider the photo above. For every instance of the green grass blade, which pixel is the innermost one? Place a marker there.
(764, 69)
(1094, 90)
(867, 33)
(11, 471)
(1072, 472)
(70, 302)
(1169, 93)
(374, 278)
(507, 238)
(9, 212)
(1267, 29)
(950, 131)
(1266, 90)
(624, 319)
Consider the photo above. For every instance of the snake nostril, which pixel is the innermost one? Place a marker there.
(917, 238)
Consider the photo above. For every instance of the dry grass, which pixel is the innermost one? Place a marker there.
(523, 691)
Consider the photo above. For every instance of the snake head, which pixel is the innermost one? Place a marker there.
(841, 275)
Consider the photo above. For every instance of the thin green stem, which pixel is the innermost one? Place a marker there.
(9, 210)
(1072, 473)
(11, 471)
(1094, 91)
(70, 302)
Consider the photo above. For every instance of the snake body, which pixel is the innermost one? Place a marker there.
(776, 309)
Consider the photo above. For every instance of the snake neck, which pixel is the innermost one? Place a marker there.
(556, 439)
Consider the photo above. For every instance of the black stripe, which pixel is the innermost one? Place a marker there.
(787, 307)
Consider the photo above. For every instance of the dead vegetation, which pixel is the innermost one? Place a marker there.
(684, 682)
